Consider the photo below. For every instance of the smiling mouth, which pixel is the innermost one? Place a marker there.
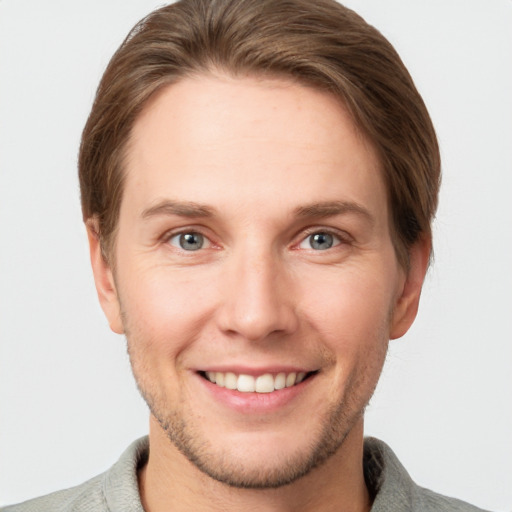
(265, 383)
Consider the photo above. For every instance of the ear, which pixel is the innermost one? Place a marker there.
(104, 279)
(408, 299)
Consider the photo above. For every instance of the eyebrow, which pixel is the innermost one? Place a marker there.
(183, 209)
(332, 208)
(315, 210)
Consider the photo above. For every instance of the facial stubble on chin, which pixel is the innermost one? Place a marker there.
(219, 465)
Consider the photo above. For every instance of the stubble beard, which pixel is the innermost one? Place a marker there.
(227, 469)
(231, 470)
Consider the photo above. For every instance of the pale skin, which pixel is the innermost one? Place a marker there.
(293, 270)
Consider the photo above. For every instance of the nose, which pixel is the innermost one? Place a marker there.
(257, 297)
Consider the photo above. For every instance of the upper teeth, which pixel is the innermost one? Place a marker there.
(265, 383)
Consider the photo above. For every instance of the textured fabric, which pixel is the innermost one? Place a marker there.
(116, 490)
(395, 491)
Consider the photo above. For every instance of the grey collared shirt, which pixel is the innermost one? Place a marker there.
(116, 490)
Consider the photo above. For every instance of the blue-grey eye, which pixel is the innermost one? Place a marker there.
(319, 241)
(188, 241)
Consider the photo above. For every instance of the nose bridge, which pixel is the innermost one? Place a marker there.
(257, 301)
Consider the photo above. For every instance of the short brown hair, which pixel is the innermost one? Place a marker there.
(318, 43)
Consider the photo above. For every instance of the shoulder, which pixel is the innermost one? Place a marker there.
(85, 497)
(431, 501)
(395, 491)
(116, 489)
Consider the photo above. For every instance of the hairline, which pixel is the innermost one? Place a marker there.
(212, 70)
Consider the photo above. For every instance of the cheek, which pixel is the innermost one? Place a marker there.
(352, 316)
(351, 310)
(348, 302)
(162, 310)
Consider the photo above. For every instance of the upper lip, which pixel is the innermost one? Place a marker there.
(255, 371)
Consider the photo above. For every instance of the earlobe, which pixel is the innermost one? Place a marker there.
(406, 306)
(104, 279)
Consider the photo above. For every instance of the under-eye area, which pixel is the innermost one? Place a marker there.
(265, 383)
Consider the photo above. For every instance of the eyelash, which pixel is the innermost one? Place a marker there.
(341, 238)
(168, 236)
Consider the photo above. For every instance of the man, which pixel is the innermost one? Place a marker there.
(258, 182)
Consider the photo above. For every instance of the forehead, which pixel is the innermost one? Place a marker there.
(221, 140)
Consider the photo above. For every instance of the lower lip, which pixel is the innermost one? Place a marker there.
(256, 403)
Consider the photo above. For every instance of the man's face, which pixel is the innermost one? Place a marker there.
(254, 250)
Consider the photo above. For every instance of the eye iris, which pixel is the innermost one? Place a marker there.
(321, 241)
(191, 241)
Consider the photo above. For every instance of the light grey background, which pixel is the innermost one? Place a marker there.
(68, 404)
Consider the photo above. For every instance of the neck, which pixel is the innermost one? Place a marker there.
(169, 481)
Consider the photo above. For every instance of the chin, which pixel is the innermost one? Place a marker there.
(257, 460)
